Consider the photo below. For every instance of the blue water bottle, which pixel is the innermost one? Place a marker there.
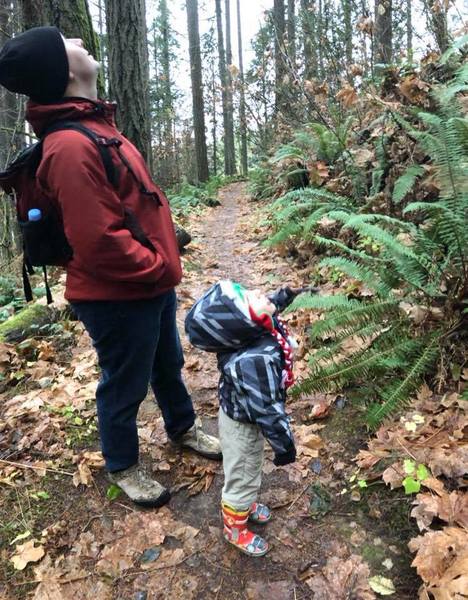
(34, 214)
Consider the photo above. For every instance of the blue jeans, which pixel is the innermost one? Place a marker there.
(137, 344)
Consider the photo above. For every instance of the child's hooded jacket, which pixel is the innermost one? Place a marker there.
(251, 363)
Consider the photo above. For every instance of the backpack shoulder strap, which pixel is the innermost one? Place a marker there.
(101, 143)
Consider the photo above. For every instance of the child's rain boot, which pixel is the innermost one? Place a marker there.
(237, 534)
(259, 513)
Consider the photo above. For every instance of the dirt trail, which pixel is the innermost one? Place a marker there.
(113, 550)
(227, 243)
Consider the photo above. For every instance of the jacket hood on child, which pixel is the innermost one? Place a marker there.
(220, 321)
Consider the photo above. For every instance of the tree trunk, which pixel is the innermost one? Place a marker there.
(167, 103)
(103, 48)
(437, 22)
(215, 124)
(279, 31)
(383, 32)
(229, 94)
(197, 90)
(308, 20)
(321, 35)
(348, 31)
(73, 19)
(242, 120)
(409, 31)
(229, 154)
(292, 31)
(11, 122)
(128, 70)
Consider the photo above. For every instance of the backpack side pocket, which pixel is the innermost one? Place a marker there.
(45, 242)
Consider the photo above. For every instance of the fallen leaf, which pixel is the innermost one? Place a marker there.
(341, 579)
(27, 553)
(382, 585)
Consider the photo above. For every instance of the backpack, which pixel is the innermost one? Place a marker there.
(44, 240)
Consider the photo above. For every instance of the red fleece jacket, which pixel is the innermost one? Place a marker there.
(108, 263)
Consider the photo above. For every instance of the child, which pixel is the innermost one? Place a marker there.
(254, 353)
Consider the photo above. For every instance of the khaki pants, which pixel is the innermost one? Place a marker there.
(242, 446)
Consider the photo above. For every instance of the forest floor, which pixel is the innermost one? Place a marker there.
(62, 537)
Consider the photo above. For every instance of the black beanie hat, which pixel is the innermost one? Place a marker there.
(35, 63)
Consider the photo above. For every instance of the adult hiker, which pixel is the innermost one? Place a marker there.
(125, 265)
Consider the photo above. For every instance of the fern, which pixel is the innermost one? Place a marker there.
(359, 366)
(405, 183)
(396, 395)
(402, 261)
(359, 272)
(360, 313)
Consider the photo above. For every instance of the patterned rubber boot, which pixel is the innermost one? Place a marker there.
(237, 534)
(259, 513)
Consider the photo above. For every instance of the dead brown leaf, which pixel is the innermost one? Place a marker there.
(347, 95)
(341, 579)
(437, 551)
(27, 553)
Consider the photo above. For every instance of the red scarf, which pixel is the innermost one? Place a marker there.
(282, 337)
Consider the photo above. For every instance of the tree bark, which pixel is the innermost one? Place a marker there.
(383, 52)
(348, 31)
(128, 70)
(243, 120)
(167, 102)
(11, 139)
(409, 31)
(226, 97)
(437, 22)
(308, 21)
(280, 71)
(197, 90)
(292, 31)
(229, 93)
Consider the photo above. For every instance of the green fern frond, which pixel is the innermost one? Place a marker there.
(363, 313)
(405, 183)
(356, 367)
(397, 395)
(314, 302)
(288, 152)
(359, 272)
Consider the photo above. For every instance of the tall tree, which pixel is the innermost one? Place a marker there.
(280, 71)
(197, 90)
(103, 45)
(348, 32)
(212, 91)
(163, 94)
(383, 51)
(229, 93)
(128, 70)
(10, 139)
(409, 31)
(242, 115)
(309, 37)
(437, 22)
(228, 138)
(292, 30)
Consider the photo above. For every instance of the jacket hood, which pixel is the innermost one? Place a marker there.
(220, 320)
(40, 116)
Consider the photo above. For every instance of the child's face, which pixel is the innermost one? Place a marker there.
(259, 303)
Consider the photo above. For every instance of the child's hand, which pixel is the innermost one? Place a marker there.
(283, 297)
(285, 459)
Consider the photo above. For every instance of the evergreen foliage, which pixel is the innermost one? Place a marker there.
(407, 267)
